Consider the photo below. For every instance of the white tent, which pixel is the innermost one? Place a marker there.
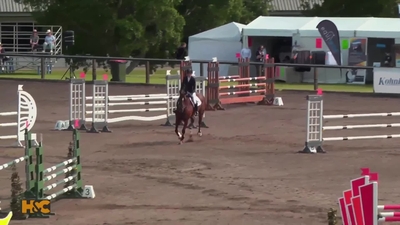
(380, 28)
(222, 42)
(275, 26)
(356, 27)
(346, 26)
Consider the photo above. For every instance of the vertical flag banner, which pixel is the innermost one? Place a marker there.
(330, 35)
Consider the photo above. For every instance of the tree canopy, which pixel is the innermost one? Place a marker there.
(140, 28)
(351, 8)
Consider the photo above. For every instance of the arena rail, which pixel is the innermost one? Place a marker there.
(315, 125)
(101, 104)
(147, 62)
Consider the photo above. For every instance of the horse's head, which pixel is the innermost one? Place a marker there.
(182, 94)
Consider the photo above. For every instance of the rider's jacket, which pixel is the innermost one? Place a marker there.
(189, 84)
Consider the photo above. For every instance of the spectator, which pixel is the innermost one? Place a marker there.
(260, 57)
(245, 53)
(49, 41)
(34, 40)
(388, 60)
(3, 58)
(181, 52)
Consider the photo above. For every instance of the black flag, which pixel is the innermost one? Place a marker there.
(398, 6)
(330, 34)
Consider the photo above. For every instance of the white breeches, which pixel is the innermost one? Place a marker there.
(196, 99)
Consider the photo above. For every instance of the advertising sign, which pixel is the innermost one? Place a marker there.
(32, 206)
(387, 80)
(330, 35)
(357, 57)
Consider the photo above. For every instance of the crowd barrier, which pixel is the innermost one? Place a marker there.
(359, 204)
(219, 94)
(316, 128)
(102, 105)
(25, 115)
(36, 175)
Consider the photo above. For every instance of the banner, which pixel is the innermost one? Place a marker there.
(357, 57)
(398, 6)
(330, 35)
(387, 80)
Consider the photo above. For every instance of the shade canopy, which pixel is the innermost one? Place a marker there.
(306, 26)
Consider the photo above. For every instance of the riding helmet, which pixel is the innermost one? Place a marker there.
(189, 71)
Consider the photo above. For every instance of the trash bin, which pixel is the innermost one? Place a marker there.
(118, 70)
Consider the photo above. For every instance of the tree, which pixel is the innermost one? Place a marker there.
(207, 14)
(350, 8)
(114, 27)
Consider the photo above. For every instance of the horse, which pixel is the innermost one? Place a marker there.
(185, 112)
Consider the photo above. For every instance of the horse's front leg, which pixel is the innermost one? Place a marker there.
(185, 124)
(191, 125)
(177, 122)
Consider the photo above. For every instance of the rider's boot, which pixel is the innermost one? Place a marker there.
(195, 110)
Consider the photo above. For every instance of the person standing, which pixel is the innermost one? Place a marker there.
(181, 52)
(260, 57)
(245, 53)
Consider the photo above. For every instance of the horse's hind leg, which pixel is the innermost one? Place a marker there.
(201, 114)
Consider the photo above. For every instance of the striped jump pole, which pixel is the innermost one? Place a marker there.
(242, 94)
(95, 109)
(315, 125)
(72, 185)
(229, 77)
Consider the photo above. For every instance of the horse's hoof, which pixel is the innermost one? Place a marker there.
(180, 142)
(200, 134)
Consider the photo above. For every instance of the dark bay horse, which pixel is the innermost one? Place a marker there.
(185, 112)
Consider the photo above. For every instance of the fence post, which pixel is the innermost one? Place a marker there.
(42, 67)
(94, 70)
(147, 72)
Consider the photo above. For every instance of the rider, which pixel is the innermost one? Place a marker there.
(189, 85)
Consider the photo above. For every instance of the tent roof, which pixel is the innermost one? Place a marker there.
(306, 26)
(274, 26)
(230, 31)
(380, 28)
(346, 26)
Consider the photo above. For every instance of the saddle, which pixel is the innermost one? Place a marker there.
(191, 99)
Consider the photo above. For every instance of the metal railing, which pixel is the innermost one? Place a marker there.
(152, 61)
(58, 35)
(15, 37)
